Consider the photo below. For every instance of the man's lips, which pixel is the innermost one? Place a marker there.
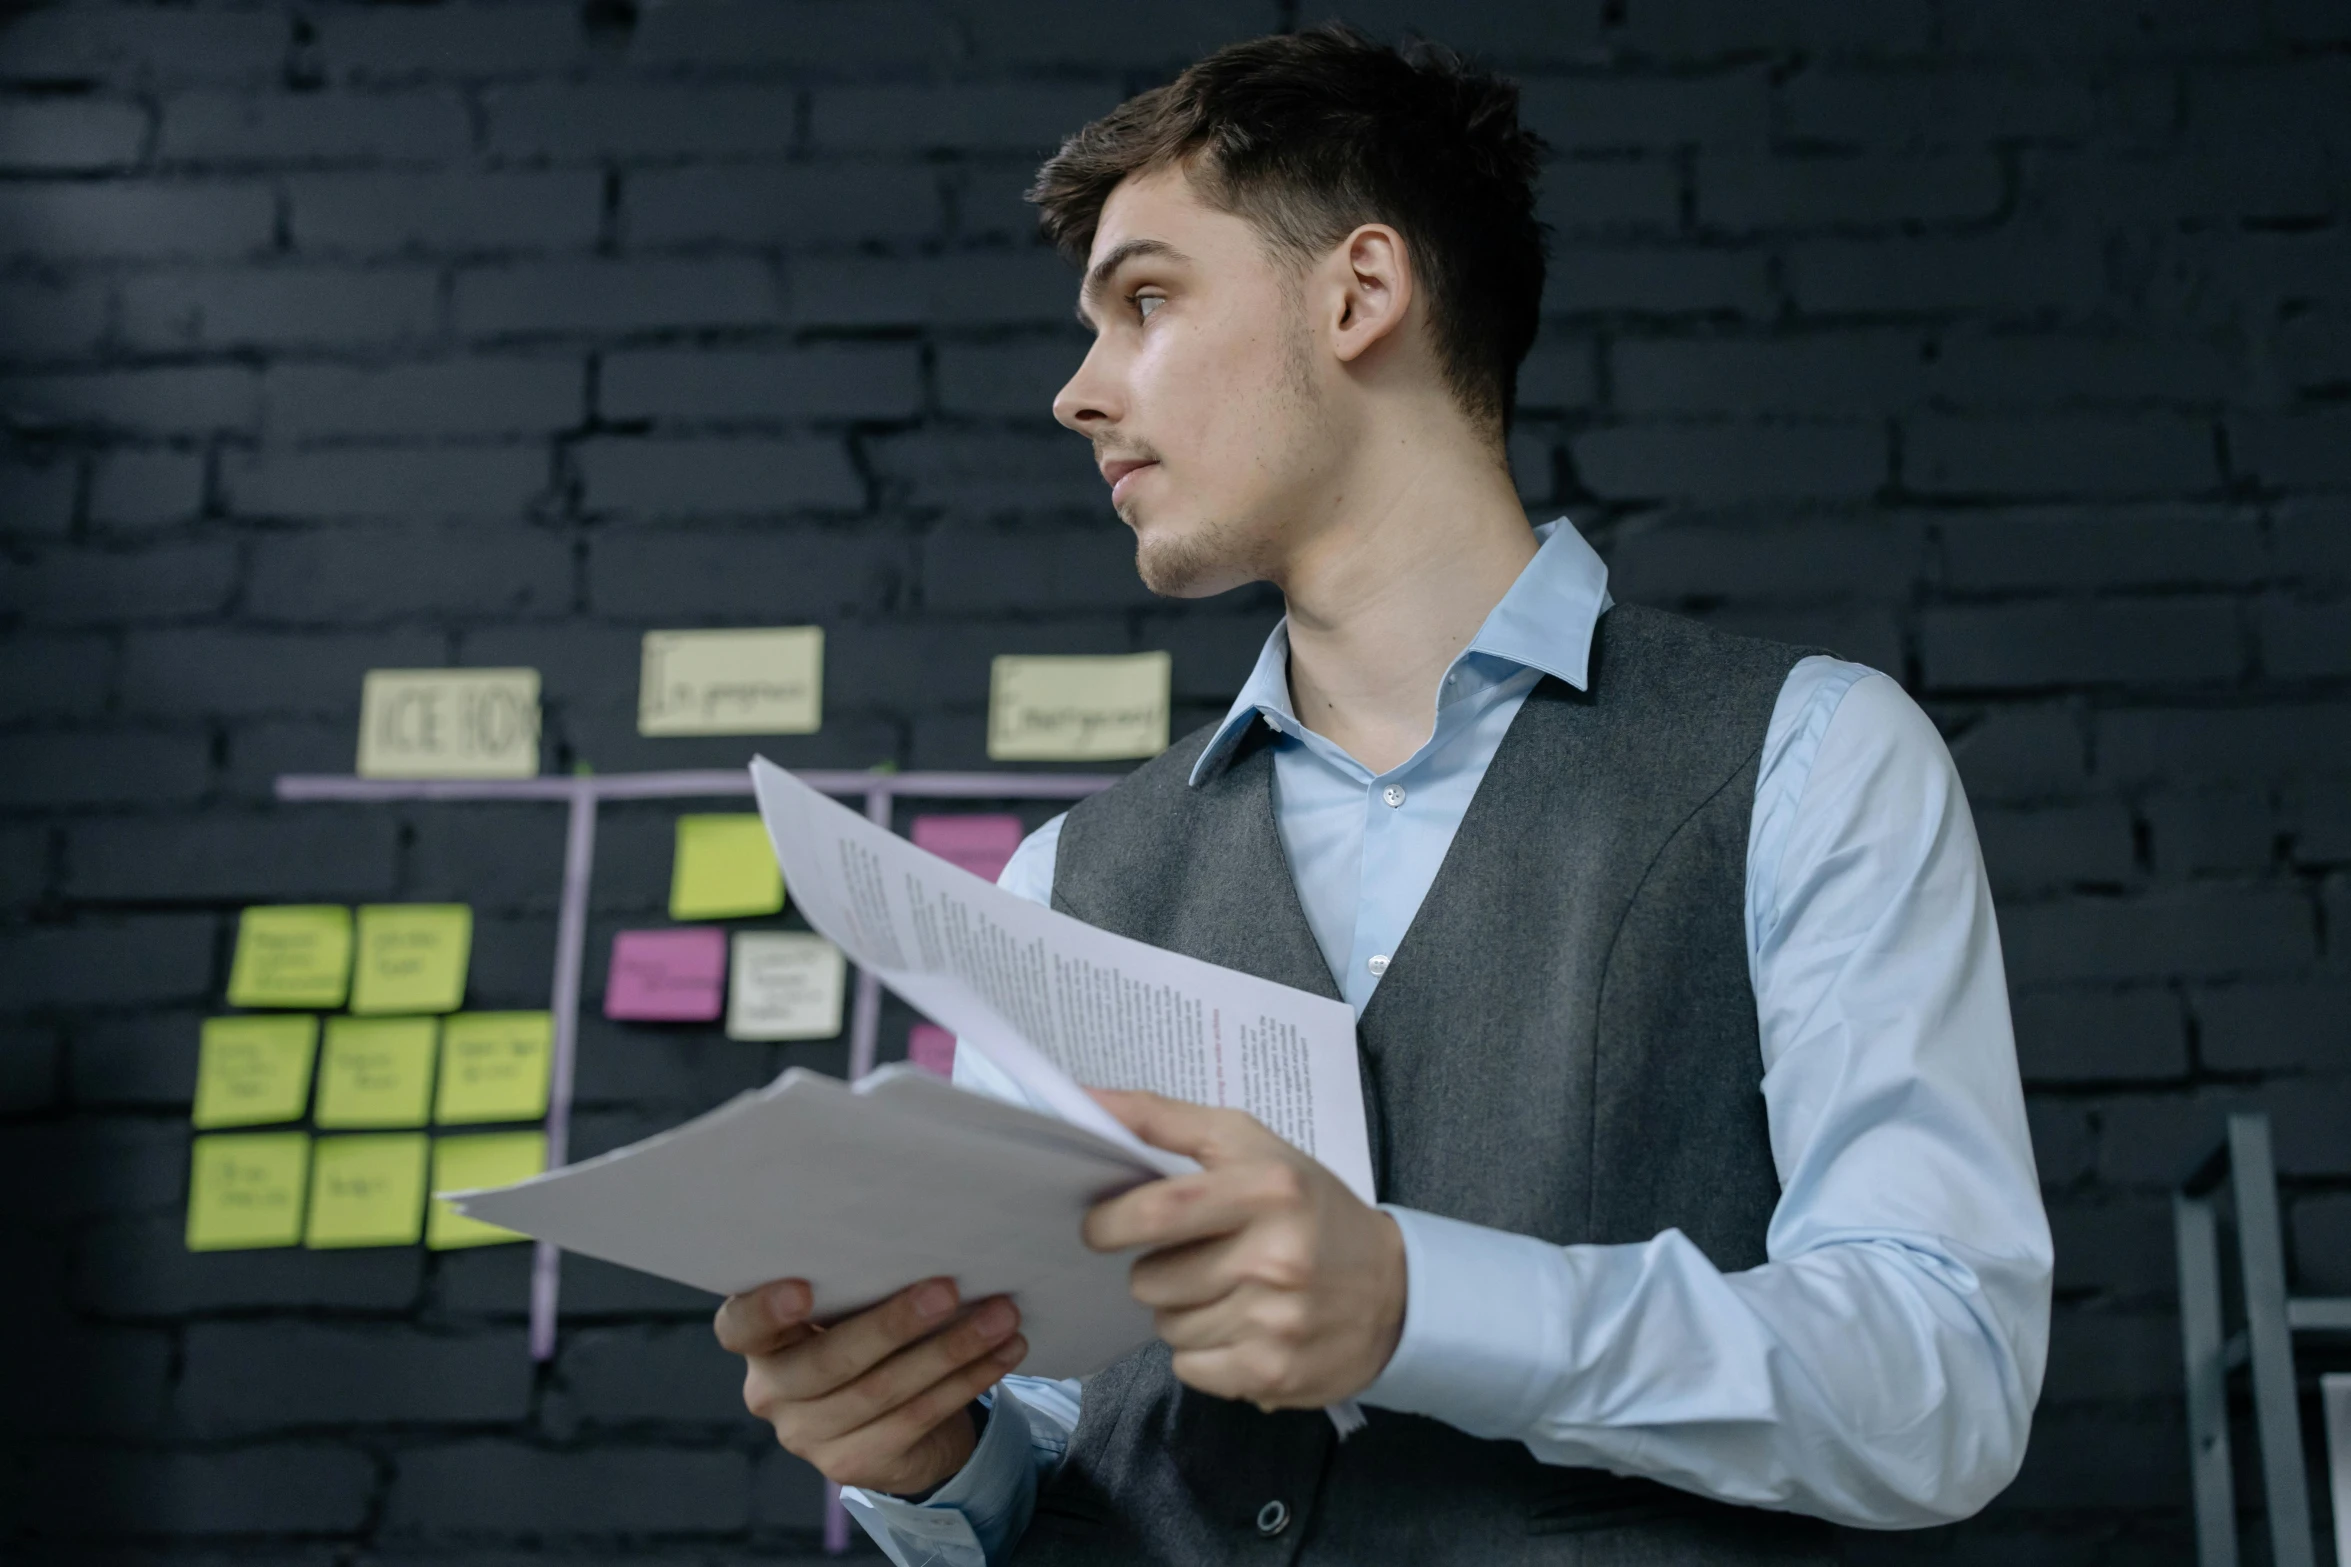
(1116, 474)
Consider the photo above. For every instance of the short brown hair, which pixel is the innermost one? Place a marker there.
(1309, 134)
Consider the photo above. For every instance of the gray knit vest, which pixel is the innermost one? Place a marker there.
(1564, 1045)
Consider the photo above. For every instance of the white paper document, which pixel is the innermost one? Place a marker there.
(1057, 1003)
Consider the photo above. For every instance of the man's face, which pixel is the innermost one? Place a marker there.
(1200, 393)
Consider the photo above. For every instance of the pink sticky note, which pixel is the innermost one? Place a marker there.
(980, 844)
(667, 976)
(932, 1048)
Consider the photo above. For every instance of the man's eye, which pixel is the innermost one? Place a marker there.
(1146, 303)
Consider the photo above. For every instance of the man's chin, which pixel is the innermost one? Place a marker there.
(1195, 563)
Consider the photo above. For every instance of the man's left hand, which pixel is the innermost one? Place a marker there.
(1270, 1280)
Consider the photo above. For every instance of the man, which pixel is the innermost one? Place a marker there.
(1708, 1212)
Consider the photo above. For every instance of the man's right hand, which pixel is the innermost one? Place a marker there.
(880, 1400)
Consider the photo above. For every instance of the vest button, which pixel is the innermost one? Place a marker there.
(1393, 795)
(1273, 1518)
(1378, 965)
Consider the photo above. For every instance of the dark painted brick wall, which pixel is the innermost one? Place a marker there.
(2001, 343)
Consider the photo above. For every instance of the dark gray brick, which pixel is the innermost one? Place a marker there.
(2287, 450)
(1023, 117)
(2279, 101)
(794, 205)
(972, 568)
(1586, 280)
(2032, 848)
(92, 1168)
(107, 1382)
(2105, 1356)
(2015, 369)
(493, 856)
(2111, 1036)
(70, 135)
(2311, 539)
(2315, 350)
(2060, 455)
(1026, 288)
(2131, 546)
(1063, 32)
(241, 129)
(400, 43)
(2017, 28)
(454, 214)
(830, 35)
(1934, 106)
(178, 218)
(24, 865)
(613, 296)
(82, 586)
(786, 1493)
(883, 662)
(103, 769)
(1006, 380)
(670, 1072)
(52, 676)
(995, 471)
(2166, 186)
(1732, 462)
(704, 386)
(247, 1376)
(2243, 742)
(37, 498)
(2318, 811)
(2154, 1140)
(1803, 26)
(571, 122)
(353, 575)
(803, 573)
(2116, 1247)
(409, 481)
(29, 1074)
(2212, 932)
(1593, 195)
(616, 1376)
(2291, 1027)
(132, 488)
(49, 320)
(2196, 832)
(1864, 636)
(304, 1488)
(1558, 374)
(2064, 1142)
(2021, 646)
(591, 1288)
(216, 671)
(2000, 274)
(309, 853)
(137, 1061)
(129, 46)
(1673, 557)
(232, 309)
(142, 1268)
(167, 400)
(2321, 1248)
(1817, 373)
(475, 396)
(716, 477)
(1744, 192)
(1727, 109)
(636, 1490)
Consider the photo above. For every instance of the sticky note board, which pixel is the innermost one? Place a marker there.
(725, 869)
(466, 1163)
(449, 723)
(293, 955)
(765, 682)
(412, 957)
(367, 1190)
(377, 1072)
(932, 1048)
(667, 976)
(980, 844)
(251, 1071)
(245, 1190)
(787, 984)
(494, 1067)
(1044, 709)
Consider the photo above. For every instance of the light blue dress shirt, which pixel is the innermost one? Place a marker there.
(1880, 1369)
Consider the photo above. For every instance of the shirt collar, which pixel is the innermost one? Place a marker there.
(1544, 622)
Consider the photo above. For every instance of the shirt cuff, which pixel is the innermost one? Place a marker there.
(981, 1509)
(1480, 1310)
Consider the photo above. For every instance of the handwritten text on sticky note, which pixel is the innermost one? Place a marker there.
(667, 976)
(251, 1071)
(725, 869)
(412, 957)
(768, 682)
(377, 1071)
(1078, 709)
(367, 1190)
(291, 955)
(494, 1067)
(245, 1190)
(787, 985)
(449, 723)
(470, 1163)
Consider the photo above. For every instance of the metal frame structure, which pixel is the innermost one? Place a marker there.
(582, 794)
(2263, 1346)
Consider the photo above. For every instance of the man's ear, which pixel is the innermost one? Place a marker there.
(1374, 289)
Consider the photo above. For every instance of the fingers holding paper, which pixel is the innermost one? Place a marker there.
(880, 1399)
(1270, 1280)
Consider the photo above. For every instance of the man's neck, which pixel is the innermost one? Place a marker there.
(1387, 596)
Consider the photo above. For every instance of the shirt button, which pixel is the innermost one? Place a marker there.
(1273, 1518)
(1393, 795)
(1378, 965)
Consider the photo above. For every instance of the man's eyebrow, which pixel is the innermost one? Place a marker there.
(1098, 277)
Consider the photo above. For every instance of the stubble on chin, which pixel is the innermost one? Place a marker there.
(1195, 563)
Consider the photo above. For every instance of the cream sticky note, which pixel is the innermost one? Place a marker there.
(1078, 709)
(367, 1190)
(292, 955)
(768, 682)
(466, 1163)
(449, 723)
(251, 1071)
(725, 869)
(377, 1072)
(494, 1067)
(245, 1190)
(787, 984)
(412, 957)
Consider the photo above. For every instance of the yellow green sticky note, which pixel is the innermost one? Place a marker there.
(465, 1163)
(251, 1071)
(293, 955)
(367, 1190)
(377, 1072)
(412, 957)
(494, 1067)
(725, 869)
(245, 1190)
